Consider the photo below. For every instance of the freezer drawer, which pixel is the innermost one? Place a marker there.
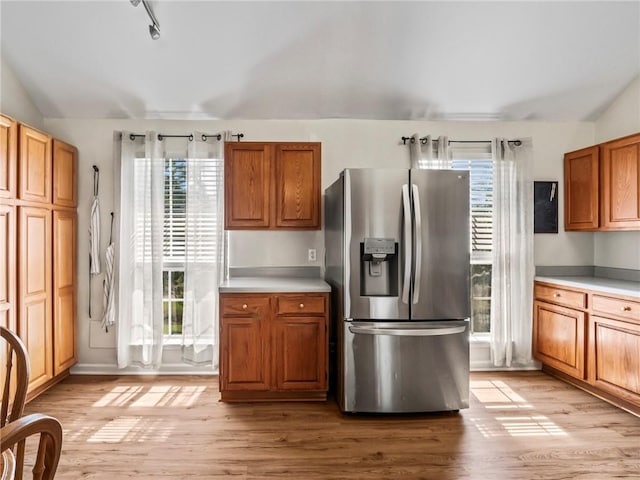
(394, 367)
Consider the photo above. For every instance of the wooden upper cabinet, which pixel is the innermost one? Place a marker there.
(620, 188)
(64, 174)
(581, 189)
(8, 156)
(297, 168)
(272, 185)
(34, 166)
(247, 185)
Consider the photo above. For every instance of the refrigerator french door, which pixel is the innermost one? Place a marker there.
(397, 257)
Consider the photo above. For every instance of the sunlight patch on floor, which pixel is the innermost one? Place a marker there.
(519, 426)
(169, 396)
(136, 396)
(118, 396)
(497, 394)
(132, 429)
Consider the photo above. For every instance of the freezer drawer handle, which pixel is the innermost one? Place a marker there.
(408, 332)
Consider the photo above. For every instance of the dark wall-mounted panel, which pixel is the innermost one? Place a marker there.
(545, 209)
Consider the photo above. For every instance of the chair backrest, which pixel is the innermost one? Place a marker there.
(15, 375)
(49, 446)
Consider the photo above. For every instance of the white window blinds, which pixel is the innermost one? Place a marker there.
(175, 209)
(476, 158)
(197, 223)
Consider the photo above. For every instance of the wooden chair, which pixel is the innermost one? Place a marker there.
(49, 446)
(15, 375)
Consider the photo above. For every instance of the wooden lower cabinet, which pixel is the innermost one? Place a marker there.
(299, 350)
(614, 354)
(244, 359)
(559, 338)
(273, 346)
(8, 266)
(596, 347)
(64, 290)
(34, 291)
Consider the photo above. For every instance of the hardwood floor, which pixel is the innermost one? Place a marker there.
(524, 425)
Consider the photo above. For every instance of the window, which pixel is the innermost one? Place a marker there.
(173, 244)
(476, 158)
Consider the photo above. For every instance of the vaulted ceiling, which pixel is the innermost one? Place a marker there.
(373, 60)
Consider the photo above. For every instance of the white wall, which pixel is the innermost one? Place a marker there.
(345, 143)
(619, 249)
(15, 101)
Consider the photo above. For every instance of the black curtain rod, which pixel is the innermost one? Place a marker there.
(162, 136)
(423, 140)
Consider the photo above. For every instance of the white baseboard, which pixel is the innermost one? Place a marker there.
(110, 369)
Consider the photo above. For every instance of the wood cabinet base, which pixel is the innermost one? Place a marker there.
(251, 396)
(47, 385)
(612, 399)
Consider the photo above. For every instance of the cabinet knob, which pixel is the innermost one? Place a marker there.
(556, 295)
(244, 306)
(301, 305)
(626, 308)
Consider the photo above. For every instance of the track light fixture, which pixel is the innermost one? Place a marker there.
(154, 28)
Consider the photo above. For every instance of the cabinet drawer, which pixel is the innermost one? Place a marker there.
(242, 305)
(560, 296)
(617, 307)
(298, 304)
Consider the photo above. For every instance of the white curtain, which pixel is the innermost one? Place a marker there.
(513, 269)
(423, 154)
(140, 332)
(204, 249)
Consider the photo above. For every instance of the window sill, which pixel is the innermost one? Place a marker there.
(480, 338)
(177, 341)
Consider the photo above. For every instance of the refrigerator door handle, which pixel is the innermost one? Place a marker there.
(408, 332)
(418, 252)
(407, 243)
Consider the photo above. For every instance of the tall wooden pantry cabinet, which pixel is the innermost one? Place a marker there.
(38, 230)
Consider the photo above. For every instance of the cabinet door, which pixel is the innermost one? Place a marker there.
(620, 187)
(297, 172)
(614, 357)
(559, 338)
(34, 166)
(581, 189)
(34, 291)
(64, 290)
(299, 350)
(247, 185)
(244, 342)
(64, 174)
(7, 267)
(8, 156)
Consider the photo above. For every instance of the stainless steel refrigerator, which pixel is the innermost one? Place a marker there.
(397, 258)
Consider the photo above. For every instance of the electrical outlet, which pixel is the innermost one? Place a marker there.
(312, 254)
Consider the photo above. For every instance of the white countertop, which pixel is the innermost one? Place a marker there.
(268, 284)
(621, 287)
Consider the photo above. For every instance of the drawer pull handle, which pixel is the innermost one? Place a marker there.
(626, 308)
(301, 305)
(556, 295)
(244, 306)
